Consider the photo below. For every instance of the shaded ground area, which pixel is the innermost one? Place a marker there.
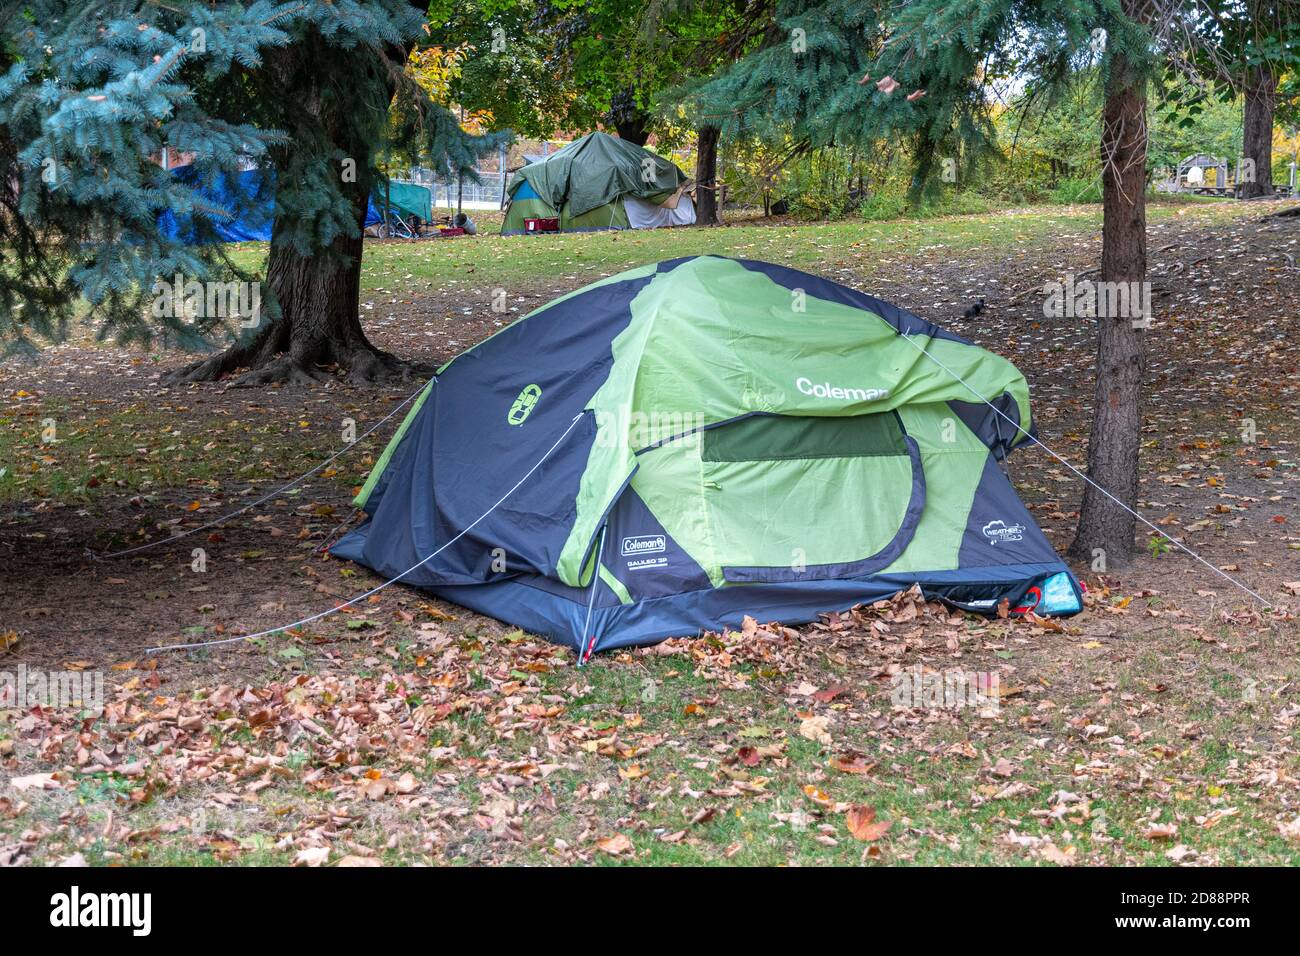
(1158, 726)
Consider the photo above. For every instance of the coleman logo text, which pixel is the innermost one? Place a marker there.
(827, 390)
(643, 544)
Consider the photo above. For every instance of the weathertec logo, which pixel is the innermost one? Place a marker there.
(644, 544)
(998, 531)
(74, 909)
(827, 390)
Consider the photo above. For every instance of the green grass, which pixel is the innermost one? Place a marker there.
(489, 260)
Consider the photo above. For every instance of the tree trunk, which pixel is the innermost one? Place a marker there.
(317, 295)
(630, 121)
(1105, 529)
(706, 176)
(318, 325)
(1257, 129)
(634, 128)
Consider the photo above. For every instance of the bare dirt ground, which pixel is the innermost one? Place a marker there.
(1167, 711)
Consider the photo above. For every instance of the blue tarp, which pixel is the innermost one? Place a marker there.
(251, 208)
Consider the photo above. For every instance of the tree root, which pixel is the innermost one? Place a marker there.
(210, 369)
(373, 365)
(259, 351)
(364, 365)
(282, 371)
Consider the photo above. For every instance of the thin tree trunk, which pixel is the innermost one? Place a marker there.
(634, 130)
(706, 176)
(1257, 129)
(1106, 530)
(631, 122)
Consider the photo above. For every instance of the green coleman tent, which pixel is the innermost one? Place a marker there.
(598, 182)
(672, 448)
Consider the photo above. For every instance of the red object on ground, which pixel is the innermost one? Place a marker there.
(541, 225)
(1025, 608)
(448, 231)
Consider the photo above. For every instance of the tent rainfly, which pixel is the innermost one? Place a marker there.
(599, 182)
(675, 447)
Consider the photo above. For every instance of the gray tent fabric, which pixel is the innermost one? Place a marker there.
(647, 215)
(598, 169)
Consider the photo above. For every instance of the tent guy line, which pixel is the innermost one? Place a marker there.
(269, 495)
(1084, 477)
(393, 580)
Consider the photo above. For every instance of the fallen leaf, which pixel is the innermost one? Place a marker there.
(830, 693)
(35, 781)
(814, 728)
(852, 764)
(1161, 831)
(819, 797)
(616, 845)
(312, 856)
(1054, 854)
(1290, 830)
(863, 824)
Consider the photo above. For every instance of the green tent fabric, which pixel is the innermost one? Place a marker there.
(523, 209)
(612, 215)
(720, 438)
(410, 199)
(587, 181)
(609, 216)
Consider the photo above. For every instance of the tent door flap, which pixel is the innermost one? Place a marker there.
(779, 487)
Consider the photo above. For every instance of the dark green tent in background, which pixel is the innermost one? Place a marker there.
(598, 182)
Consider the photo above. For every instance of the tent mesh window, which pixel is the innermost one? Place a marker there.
(788, 437)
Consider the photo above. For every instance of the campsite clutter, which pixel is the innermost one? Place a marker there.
(395, 209)
(1207, 175)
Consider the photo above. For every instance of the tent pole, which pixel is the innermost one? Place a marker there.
(586, 645)
(501, 163)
